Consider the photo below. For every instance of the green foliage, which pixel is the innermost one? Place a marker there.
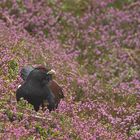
(79, 93)
(46, 32)
(20, 50)
(46, 133)
(132, 99)
(65, 121)
(119, 3)
(42, 131)
(130, 74)
(19, 116)
(67, 127)
(9, 114)
(7, 3)
(75, 6)
(30, 138)
(74, 136)
(21, 6)
(1, 127)
(12, 69)
(134, 130)
(23, 104)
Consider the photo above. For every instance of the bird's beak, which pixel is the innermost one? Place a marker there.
(51, 72)
(19, 86)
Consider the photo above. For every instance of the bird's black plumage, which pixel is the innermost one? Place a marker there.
(54, 87)
(35, 90)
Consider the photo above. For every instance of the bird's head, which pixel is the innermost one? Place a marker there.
(41, 74)
(49, 73)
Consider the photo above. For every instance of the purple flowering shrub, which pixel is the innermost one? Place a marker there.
(94, 47)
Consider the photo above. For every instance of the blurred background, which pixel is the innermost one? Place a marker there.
(94, 47)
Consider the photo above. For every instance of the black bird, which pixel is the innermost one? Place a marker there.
(36, 90)
(54, 87)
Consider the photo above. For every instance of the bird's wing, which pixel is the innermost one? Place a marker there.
(56, 89)
(25, 71)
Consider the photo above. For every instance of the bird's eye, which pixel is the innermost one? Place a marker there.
(48, 77)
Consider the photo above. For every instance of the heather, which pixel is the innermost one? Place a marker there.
(94, 47)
